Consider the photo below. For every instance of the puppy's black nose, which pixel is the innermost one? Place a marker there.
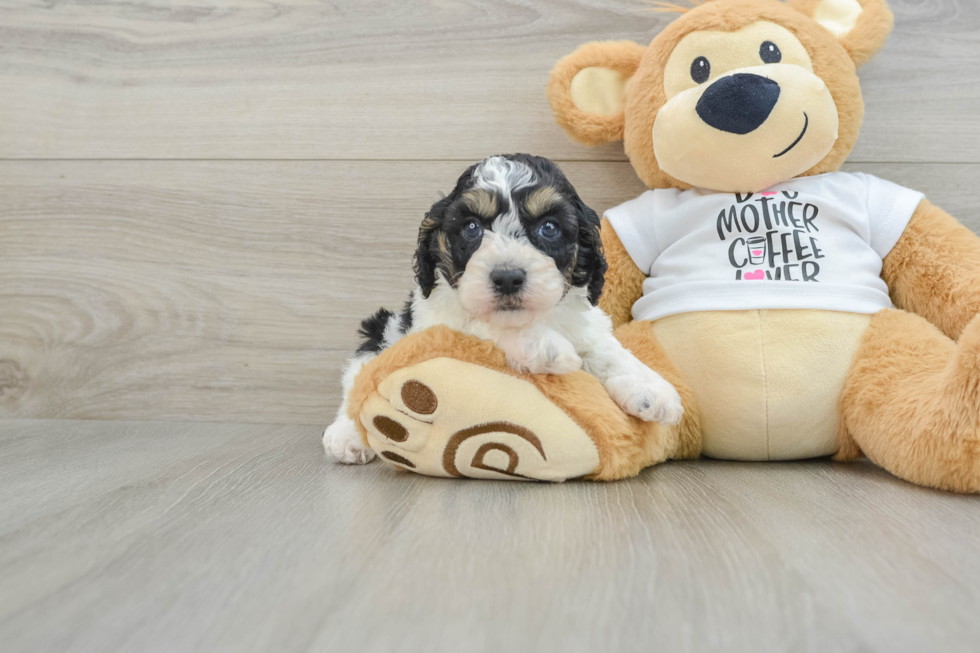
(738, 104)
(507, 282)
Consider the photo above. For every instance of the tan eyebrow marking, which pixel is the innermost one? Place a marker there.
(481, 202)
(446, 257)
(570, 270)
(541, 200)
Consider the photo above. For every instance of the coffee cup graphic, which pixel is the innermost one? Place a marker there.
(757, 250)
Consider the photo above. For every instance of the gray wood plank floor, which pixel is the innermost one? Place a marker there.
(137, 536)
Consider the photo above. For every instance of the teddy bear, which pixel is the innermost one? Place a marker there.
(800, 311)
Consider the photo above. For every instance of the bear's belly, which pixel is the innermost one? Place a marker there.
(768, 382)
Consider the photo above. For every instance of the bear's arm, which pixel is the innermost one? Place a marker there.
(624, 281)
(934, 270)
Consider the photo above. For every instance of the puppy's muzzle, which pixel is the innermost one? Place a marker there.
(508, 281)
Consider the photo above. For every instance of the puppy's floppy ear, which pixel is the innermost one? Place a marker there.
(430, 247)
(590, 265)
(861, 26)
(587, 90)
(426, 256)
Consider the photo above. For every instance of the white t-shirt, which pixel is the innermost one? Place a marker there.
(813, 242)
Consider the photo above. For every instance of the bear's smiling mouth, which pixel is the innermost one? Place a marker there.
(799, 138)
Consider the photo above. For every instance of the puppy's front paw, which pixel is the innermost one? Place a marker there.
(648, 397)
(549, 355)
(342, 442)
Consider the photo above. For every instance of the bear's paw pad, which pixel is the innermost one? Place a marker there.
(449, 418)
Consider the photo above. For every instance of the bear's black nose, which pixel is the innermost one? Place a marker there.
(739, 103)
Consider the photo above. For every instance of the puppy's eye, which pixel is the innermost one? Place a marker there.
(770, 52)
(472, 230)
(701, 70)
(549, 230)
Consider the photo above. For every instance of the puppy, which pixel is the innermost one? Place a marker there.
(514, 256)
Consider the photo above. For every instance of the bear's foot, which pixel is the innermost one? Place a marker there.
(912, 402)
(445, 417)
(445, 404)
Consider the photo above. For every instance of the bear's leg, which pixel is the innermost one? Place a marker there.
(639, 338)
(911, 402)
(444, 404)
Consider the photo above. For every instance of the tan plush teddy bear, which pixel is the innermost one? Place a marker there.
(800, 311)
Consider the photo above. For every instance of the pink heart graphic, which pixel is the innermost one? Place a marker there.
(770, 194)
(756, 252)
(754, 276)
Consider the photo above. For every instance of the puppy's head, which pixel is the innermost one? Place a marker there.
(511, 239)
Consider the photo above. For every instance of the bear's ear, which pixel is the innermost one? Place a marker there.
(861, 26)
(587, 90)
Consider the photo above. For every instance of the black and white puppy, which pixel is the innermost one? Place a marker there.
(514, 256)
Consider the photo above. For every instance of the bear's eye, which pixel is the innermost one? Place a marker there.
(701, 70)
(770, 52)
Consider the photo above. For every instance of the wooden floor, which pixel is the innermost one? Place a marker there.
(199, 201)
(137, 536)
